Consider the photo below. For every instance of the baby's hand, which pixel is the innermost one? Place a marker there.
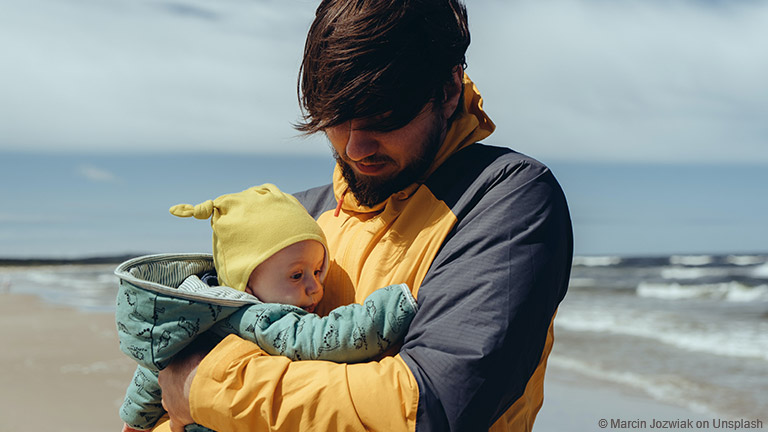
(127, 428)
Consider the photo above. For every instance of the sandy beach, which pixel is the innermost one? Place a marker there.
(573, 402)
(63, 370)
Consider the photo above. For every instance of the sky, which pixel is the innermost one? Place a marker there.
(621, 80)
(664, 100)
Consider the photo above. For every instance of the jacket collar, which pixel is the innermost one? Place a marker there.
(471, 125)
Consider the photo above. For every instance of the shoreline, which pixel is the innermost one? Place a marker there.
(575, 402)
(48, 261)
(63, 370)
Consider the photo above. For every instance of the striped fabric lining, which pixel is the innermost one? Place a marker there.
(194, 284)
(165, 273)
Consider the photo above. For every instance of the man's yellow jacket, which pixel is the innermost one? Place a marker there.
(484, 242)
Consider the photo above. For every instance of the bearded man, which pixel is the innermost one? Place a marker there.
(481, 234)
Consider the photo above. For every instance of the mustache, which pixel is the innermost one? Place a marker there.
(373, 159)
(376, 159)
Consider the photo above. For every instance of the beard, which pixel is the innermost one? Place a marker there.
(369, 190)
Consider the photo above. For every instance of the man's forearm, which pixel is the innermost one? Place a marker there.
(176, 382)
(239, 388)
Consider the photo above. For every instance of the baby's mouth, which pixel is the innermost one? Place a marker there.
(310, 308)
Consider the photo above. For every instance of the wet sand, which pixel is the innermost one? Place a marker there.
(62, 370)
(573, 402)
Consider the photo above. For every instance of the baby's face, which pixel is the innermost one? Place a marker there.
(291, 276)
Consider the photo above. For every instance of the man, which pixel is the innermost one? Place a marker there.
(481, 234)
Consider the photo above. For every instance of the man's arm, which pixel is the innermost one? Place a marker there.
(489, 298)
(485, 307)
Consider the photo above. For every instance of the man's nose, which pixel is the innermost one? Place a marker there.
(361, 144)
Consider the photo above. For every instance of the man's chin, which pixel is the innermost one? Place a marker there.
(370, 191)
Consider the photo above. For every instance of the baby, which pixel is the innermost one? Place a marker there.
(270, 258)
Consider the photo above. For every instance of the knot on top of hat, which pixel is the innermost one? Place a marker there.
(203, 210)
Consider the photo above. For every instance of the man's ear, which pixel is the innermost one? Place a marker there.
(452, 92)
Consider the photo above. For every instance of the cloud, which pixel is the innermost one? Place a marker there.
(127, 75)
(187, 10)
(658, 81)
(623, 80)
(95, 174)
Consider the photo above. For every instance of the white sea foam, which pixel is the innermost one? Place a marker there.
(576, 282)
(5, 284)
(673, 291)
(761, 271)
(674, 390)
(83, 287)
(107, 278)
(735, 340)
(690, 260)
(742, 293)
(42, 277)
(728, 291)
(596, 261)
(691, 272)
(47, 278)
(744, 259)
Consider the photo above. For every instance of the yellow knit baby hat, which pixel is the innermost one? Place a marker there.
(251, 226)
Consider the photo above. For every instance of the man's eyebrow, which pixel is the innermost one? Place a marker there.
(373, 122)
(388, 121)
(382, 125)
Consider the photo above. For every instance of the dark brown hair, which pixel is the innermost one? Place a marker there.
(379, 60)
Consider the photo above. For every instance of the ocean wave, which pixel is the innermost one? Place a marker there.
(691, 260)
(745, 260)
(749, 341)
(578, 282)
(596, 261)
(692, 272)
(761, 271)
(674, 390)
(72, 283)
(82, 287)
(728, 291)
(107, 278)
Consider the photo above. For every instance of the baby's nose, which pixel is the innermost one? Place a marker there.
(313, 286)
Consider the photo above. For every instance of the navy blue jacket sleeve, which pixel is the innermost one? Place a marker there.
(489, 297)
(317, 200)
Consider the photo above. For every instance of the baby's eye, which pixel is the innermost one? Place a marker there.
(318, 272)
(296, 276)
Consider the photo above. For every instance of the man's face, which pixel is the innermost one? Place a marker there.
(378, 164)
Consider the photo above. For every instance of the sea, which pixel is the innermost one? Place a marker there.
(687, 330)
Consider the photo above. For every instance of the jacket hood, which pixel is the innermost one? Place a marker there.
(470, 125)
